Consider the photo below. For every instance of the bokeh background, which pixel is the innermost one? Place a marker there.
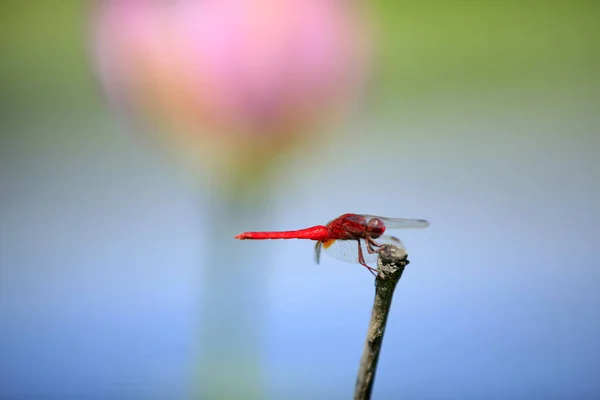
(481, 116)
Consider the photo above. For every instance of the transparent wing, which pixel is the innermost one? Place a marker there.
(400, 223)
(318, 247)
(344, 250)
(347, 250)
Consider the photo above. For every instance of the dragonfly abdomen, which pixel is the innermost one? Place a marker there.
(318, 232)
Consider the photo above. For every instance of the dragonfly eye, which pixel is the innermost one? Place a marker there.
(375, 228)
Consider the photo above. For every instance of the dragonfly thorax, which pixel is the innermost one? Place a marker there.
(354, 226)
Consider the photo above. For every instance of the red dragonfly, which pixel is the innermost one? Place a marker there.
(349, 237)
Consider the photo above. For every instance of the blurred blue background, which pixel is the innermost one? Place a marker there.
(482, 118)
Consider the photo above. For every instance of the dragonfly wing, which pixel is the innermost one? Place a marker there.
(347, 250)
(394, 241)
(318, 247)
(400, 223)
(344, 250)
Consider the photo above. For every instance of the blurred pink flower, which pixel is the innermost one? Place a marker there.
(250, 74)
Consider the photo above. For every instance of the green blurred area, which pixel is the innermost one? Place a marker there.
(45, 60)
(425, 47)
(428, 46)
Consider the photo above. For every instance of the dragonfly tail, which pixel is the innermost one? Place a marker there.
(318, 232)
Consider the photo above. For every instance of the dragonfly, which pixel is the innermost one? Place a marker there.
(353, 238)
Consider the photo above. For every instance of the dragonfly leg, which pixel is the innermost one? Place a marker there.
(361, 260)
(372, 245)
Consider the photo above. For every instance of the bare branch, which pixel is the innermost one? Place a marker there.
(391, 263)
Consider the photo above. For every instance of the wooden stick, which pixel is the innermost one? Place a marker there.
(391, 263)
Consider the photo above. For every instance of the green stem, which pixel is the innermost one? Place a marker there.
(233, 300)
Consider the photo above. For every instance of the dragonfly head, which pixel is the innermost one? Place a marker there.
(375, 228)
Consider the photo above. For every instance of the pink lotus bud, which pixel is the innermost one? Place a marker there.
(247, 73)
